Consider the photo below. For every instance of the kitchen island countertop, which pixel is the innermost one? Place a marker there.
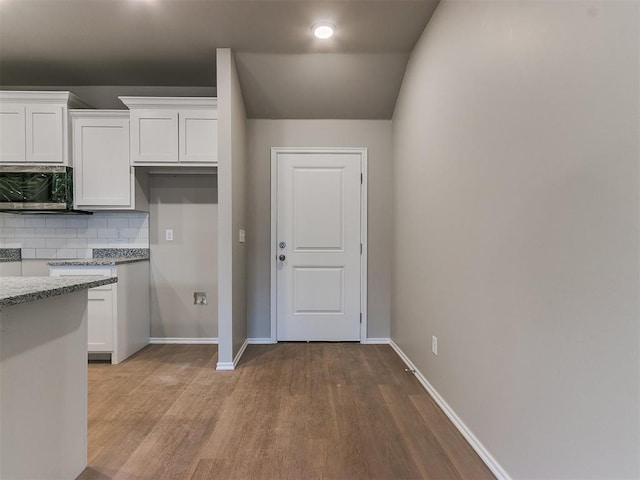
(17, 290)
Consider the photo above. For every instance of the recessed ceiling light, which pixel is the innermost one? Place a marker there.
(323, 30)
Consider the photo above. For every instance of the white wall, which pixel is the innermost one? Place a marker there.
(516, 148)
(188, 205)
(232, 179)
(373, 134)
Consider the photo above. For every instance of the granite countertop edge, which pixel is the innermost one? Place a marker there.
(20, 290)
(96, 261)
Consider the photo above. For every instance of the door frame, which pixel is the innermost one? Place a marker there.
(362, 151)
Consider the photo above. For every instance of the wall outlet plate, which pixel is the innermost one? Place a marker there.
(434, 345)
(199, 298)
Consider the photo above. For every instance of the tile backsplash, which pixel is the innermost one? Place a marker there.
(73, 236)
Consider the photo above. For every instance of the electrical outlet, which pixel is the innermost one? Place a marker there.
(119, 234)
(168, 235)
(199, 298)
(434, 345)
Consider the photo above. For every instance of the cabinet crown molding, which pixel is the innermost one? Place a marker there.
(12, 96)
(170, 102)
(99, 113)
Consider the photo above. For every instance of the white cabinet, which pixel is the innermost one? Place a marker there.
(34, 126)
(173, 131)
(11, 269)
(117, 314)
(100, 316)
(13, 144)
(198, 136)
(154, 136)
(103, 177)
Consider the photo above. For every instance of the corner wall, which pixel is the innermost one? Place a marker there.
(516, 219)
(232, 179)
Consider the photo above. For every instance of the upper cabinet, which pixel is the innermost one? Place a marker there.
(173, 131)
(34, 126)
(103, 176)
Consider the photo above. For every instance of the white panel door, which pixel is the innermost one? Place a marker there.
(12, 133)
(45, 133)
(318, 251)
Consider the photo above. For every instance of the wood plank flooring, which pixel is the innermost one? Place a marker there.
(289, 411)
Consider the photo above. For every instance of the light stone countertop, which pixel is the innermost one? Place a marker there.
(17, 290)
(96, 261)
(106, 256)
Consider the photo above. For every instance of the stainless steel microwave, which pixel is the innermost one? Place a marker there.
(37, 189)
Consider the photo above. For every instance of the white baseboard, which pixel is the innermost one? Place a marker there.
(225, 366)
(240, 352)
(484, 454)
(269, 341)
(260, 341)
(184, 340)
(377, 341)
(232, 365)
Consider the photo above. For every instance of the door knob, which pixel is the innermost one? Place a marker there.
(282, 258)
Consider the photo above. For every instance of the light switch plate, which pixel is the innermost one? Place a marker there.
(168, 235)
(241, 236)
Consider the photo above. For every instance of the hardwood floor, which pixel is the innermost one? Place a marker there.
(289, 411)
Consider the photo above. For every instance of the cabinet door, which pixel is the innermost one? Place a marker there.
(12, 133)
(100, 320)
(198, 136)
(103, 176)
(154, 136)
(45, 133)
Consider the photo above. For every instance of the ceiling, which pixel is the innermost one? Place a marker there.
(284, 72)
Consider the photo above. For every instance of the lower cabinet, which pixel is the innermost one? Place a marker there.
(101, 313)
(118, 313)
(10, 269)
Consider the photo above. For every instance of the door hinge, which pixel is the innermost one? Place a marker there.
(360, 317)
(360, 249)
(361, 178)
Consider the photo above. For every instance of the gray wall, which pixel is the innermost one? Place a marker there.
(373, 134)
(187, 204)
(516, 229)
(232, 174)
